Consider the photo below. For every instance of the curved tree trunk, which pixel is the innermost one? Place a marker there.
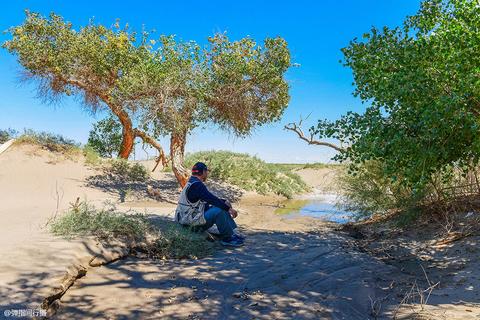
(177, 151)
(128, 133)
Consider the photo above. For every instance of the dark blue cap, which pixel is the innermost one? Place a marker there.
(199, 168)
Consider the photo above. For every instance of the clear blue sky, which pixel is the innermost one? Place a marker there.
(315, 31)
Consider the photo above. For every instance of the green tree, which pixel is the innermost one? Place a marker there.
(106, 137)
(236, 85)
(422, 84)
(88, 63)
(155, 88)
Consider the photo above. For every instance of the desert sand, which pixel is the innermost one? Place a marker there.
(299, 268)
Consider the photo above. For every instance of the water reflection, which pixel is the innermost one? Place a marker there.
(321, 206)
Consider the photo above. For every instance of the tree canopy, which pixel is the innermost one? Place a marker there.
(421, 82)
(156, 86)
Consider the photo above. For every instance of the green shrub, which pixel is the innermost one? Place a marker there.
(106, 137)
(85, 219)
(249, 173)
(49, 141)
(168, 241)
(370, 191)
(91, 156)
(125, 171)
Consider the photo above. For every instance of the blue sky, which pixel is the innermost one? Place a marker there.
(314, 30)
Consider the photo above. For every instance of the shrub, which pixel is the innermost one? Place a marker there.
(91, 156)
(168, 241)
(106, 137)
(128, 172)
(84, 219)
(368, 191)
(249, 173)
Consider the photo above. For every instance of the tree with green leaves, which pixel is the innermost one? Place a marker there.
(156, 88)
(422, 84)
(106, 137)
(88, 63)
(236, 85)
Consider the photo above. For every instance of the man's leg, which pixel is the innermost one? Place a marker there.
(222, 219)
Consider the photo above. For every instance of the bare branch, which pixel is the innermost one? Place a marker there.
(147, 139)
(310, 140)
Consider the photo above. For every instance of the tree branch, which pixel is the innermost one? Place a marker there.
(147, 139)
(310, 140)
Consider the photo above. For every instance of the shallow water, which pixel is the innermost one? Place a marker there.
(320, 206)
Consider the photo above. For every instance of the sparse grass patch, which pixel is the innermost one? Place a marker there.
(84, 219)
(49, 141)
(249, 173)
(169, 240)
(178, 242)
(92, 157)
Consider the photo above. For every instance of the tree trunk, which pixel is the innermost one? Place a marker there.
(128, 133)
(177, 151)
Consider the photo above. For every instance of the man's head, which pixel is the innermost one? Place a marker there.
(200, 170)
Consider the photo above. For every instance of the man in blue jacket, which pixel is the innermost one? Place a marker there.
(198, 207)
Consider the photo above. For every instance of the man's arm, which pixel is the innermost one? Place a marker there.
(198, 191)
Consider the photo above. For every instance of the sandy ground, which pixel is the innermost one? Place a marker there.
(298, 268)
(288, 269)
(440, 267)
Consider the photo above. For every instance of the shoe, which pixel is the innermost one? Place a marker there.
(232, 242)
(239, 235)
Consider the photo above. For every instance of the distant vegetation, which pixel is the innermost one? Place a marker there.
(106, 137)
(49, 141)
(250, 173)
(6, 135)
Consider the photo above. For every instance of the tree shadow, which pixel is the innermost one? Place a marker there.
(164, 190)
(276, 275)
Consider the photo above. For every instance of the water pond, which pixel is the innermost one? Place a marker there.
(320, 206)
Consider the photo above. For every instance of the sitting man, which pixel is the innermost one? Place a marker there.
(200, 209)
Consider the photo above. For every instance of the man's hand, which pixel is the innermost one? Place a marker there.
(233, 213)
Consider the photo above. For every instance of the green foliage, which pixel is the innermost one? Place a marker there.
(368, 191)
(168, 241)
(249, 173)
(84, 219)
(300, 166)
(124, 171)
(49, 141)
(421, 81)
(91, 156)
(106, 137)
(164, 87)
(236, 85)
(6, 135)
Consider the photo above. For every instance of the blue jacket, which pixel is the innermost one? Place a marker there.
(198, 191)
